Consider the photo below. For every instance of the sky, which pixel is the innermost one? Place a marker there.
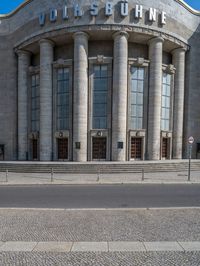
(7, 6)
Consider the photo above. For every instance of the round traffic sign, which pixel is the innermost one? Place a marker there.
(191, 140)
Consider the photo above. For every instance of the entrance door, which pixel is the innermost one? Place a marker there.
(63, 149)
(35, 149)
(165, 143)
(2, 152)
(99, 149)
(136, 148)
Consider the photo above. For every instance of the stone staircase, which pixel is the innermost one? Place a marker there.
(100, 167)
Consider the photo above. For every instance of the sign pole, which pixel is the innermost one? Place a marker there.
(190, 142)
(189, 168)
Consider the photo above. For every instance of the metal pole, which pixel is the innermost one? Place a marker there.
(189, 167)
(143, 174)
(98, 175)
(7, 176)
(51, 175)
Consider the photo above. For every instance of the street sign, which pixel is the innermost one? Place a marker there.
(191, 140)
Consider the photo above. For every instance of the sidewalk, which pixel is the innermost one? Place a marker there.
(76, 179)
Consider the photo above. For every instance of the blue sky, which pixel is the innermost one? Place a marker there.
(8, 5)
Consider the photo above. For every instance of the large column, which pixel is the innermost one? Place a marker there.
(155, 93)
(46, 60)
(179, 82)
(120, 83)
(80, 105)
(24, 58)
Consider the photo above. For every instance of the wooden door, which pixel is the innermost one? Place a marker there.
(99, 149)
(63, 149)
(136, 148)
(165, 148)
(35, 149)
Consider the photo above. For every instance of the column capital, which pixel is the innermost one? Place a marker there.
(47, 41)
(23, 52)
(156, 40)
(179, 50)
(120, 33)
(81, 33)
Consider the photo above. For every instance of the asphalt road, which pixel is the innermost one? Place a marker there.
(100, 196)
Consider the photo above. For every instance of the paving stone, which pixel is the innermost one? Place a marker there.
(90, 246)
(53, 247)
(162, 246)
(100, 259)
(17, 246)
(99, 226)
(190, 246)
(126, 246)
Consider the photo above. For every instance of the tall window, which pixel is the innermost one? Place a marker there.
(35, 102)
(63, 98)
(137, 97)
(100, 96)
(166, 102)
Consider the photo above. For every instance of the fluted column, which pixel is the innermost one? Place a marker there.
(179, 82)
(46, 60)
(80, 105)
(24, 59)
(155, 93)
(120, 83)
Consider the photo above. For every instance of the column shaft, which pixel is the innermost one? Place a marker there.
(179, 81)
(120, 83)
(23, 66)
(80, 105)
(155, 93)
(46, 60)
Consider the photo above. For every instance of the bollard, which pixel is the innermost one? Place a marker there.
(142, 174)
(98, 175)
(51, 175)
(7, 176)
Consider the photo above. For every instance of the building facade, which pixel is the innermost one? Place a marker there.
(99, 80)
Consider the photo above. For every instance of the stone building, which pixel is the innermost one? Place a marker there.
(99, 80)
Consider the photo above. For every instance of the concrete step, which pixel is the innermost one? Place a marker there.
(93, 168)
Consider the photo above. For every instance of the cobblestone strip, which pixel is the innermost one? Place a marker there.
(109, 247)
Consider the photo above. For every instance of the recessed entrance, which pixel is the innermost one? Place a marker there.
(136, 148)
(35, 149)
(99, 148)
(165, 148)
(63, 149)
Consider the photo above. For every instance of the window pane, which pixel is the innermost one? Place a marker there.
(134, 85)
(140, 86)
(165, 78)
(137, 97)
(141, 73)
(133, 98)
(168, 90)
(100, 96)
(134, 73)
(104, 71)
(97, 71)
(140, 98)
(139, 111)
(169, 79)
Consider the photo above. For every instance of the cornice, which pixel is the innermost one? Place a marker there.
(26, 2)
